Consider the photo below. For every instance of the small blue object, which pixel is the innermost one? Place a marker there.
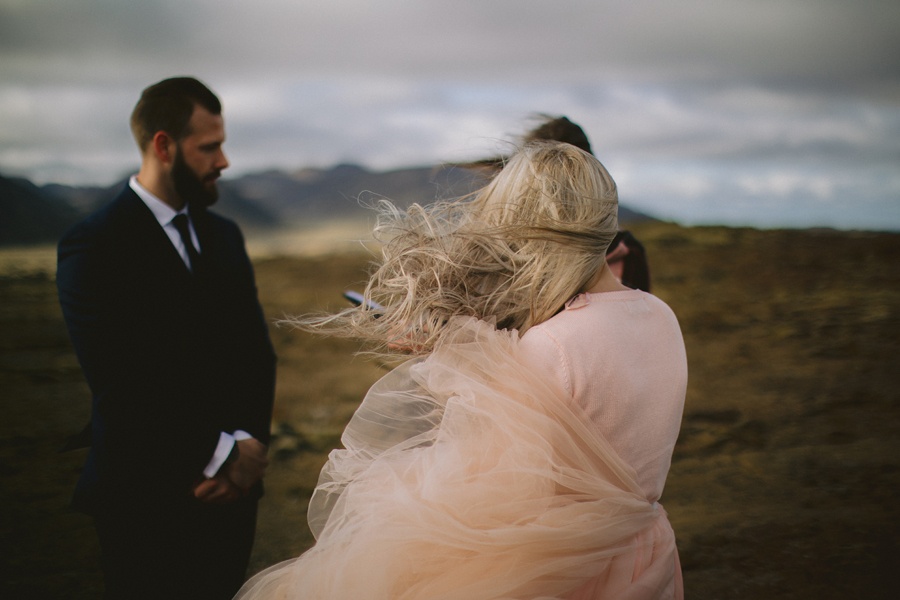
(358, 300)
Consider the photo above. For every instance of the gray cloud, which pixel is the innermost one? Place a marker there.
(794, 103)
(788, 40)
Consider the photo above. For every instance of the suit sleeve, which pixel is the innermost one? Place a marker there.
(257, 356)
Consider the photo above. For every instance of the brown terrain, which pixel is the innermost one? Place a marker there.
(784, 479)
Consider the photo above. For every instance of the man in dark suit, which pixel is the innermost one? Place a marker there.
(160, 300)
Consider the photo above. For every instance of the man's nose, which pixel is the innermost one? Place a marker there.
(221, 161)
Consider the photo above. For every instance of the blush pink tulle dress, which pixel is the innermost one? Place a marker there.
(500, 468)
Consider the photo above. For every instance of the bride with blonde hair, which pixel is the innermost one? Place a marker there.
(522, 450)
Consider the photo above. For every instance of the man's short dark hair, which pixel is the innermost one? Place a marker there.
(168, 106)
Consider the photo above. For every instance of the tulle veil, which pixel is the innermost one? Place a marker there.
(469, 475)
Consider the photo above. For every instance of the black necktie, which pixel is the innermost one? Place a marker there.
(181, 224)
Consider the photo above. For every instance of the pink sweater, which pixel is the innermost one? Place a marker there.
(620, 356)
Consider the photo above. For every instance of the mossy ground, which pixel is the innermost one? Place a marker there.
(784, 479)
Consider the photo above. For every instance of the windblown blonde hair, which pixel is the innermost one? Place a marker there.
(515, 252)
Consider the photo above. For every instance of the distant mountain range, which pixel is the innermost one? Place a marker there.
(30, 214)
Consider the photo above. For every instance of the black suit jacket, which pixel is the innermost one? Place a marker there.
(171, 359)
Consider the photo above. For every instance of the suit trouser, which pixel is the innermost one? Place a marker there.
(187, 550)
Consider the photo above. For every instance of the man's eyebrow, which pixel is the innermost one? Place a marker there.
(210, 145)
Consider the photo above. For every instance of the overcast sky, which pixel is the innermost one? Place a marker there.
(759, 112)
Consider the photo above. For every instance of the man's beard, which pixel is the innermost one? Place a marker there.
(189, 186)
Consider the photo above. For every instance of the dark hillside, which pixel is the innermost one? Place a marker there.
(259, 202)
(30, 216)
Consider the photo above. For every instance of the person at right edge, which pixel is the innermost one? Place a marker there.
(626, 256)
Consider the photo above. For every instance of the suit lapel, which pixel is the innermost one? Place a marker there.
(147, 238)
(210, 254)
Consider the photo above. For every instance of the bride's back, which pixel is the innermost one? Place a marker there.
(620, 356)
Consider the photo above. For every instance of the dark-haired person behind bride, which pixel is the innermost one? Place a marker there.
(522, 452)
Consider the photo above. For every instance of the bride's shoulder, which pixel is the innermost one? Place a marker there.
(544, 351)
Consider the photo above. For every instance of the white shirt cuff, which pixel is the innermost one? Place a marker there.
(223, 449)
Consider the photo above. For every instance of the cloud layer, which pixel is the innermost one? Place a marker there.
(766, 112)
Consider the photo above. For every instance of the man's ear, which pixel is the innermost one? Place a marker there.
(164, 147)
